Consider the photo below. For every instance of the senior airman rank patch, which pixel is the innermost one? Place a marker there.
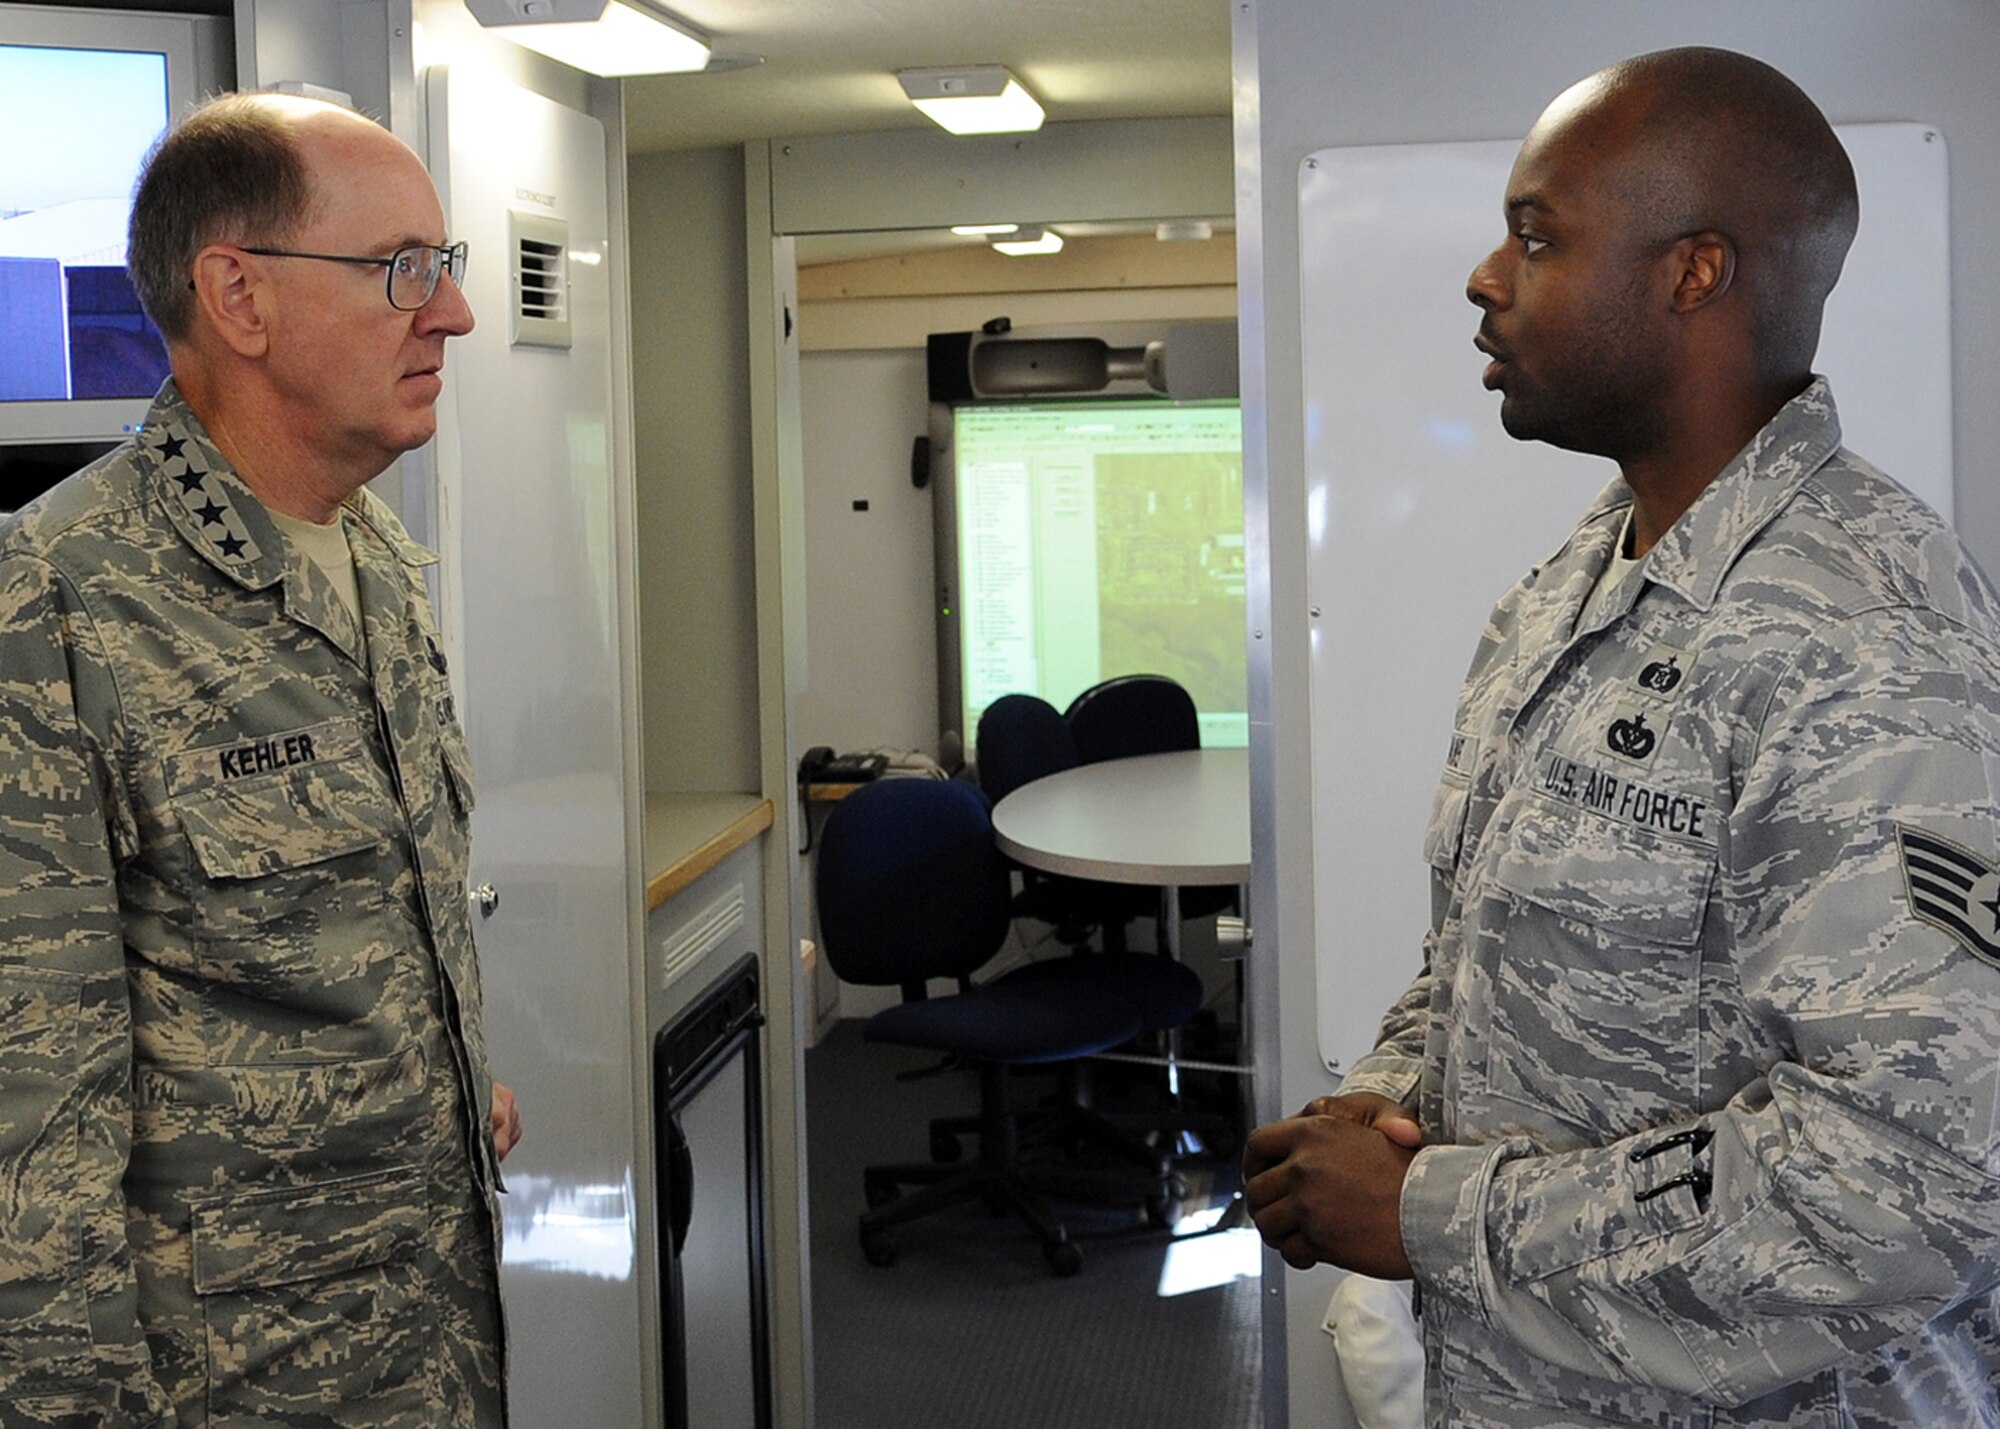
(1952, 889)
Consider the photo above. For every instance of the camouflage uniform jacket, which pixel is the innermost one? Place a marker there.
(244, 1170)
(1707, 1042)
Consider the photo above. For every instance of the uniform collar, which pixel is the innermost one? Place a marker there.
(374, 514)
(1699, 550)
(225, 524)
(207, 502)
(219, 516)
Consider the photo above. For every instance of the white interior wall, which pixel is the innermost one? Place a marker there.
(691, 402)
(1309, 75)
(871, 662)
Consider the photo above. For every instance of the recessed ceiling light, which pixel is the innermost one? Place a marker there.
(972, 99)
(1026, 242)
(605, 37)
(982, 230)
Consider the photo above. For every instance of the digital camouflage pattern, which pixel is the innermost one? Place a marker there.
(1706, 1071)
(245, 1174)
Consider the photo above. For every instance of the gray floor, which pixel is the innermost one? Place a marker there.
(969, 1329)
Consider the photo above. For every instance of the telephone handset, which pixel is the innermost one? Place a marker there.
(820, 765)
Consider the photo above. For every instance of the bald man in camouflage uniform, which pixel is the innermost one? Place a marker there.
(248, 1142)
(1691, 1118)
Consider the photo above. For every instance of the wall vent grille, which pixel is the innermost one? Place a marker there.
(701, 935)
(544, 294)
(539, 254)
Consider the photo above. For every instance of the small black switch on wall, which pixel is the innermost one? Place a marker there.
(861, 506)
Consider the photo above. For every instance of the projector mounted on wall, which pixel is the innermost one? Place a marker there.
(1193, 361)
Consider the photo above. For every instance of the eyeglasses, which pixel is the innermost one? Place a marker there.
(413, 270)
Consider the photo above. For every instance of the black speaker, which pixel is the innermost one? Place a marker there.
(949, 359)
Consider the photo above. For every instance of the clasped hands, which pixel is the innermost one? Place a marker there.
(1326, 1186)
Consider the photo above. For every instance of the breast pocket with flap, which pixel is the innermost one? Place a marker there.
(292, 838)
(1594, 940)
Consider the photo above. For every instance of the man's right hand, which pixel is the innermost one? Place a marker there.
(1392, 1119)
(1325, 1186)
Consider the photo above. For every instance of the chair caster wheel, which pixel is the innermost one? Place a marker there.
(1064, 1258)
(877, 1192)
(945, 1147)
(878, 1248)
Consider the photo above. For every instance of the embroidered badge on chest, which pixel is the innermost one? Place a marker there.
(1663, 672)
(1633, 733)
(1953, 889)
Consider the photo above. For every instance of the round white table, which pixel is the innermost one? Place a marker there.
(1168, 819)
(1172, 820)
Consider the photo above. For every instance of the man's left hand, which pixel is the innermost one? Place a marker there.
(1328, 1189)
(506, 1121)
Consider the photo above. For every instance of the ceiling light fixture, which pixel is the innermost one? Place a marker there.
(605, 37)
(1026, 242)
(972, 99)
(982, 230)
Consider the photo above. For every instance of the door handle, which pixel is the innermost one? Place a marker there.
(680, 1181)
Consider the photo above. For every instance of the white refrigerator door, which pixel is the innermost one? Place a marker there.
(525, 519)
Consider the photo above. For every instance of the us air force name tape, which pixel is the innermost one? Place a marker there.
(1625, 800)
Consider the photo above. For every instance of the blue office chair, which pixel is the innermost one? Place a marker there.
(910, 887)
(1022, 738)
(1019, 739)
(1143, 714)
(1132, 714)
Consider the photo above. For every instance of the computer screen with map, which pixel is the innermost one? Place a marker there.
(1088, 539)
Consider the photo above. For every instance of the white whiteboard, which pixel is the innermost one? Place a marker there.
(1421, 511)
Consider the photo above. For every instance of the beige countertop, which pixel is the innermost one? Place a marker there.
(688, 834)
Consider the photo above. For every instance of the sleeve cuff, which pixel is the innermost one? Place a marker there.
(1386, 1075)
(1443, 1215)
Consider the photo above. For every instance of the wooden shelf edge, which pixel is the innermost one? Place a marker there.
(685, 871)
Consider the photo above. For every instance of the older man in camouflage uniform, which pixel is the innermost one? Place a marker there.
(246, 1171)
(1690, 1119)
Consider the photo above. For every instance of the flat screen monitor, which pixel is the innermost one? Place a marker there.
(1081, 540)
(83, 96)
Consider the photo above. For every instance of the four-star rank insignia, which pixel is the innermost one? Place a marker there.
(1953, 889)
(210, 511)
